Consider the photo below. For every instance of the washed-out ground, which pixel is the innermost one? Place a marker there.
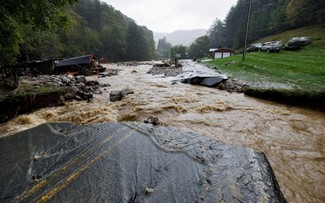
(291, 137)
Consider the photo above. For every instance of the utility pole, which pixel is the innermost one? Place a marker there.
(246, 32)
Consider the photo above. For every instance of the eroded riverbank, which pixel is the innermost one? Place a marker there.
(292, 138)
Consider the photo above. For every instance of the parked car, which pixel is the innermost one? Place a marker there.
(254, 47)
(296, 43)
(273, 46)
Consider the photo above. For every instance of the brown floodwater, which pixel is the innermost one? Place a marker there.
(292, 138)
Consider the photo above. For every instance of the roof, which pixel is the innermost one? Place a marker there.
(224, 49)
(213, 49)
(80, 60)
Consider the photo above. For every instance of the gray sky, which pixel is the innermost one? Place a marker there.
(171, 15)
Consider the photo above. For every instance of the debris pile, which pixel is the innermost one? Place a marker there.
(79, 87)
(219, 82)
(232, 85)
(167, 69)
(209, 81)
(135, 63)
(46, 91)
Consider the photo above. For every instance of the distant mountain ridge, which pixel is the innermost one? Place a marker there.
(183, 37)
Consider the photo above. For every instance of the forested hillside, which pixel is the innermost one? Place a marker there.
(59, 29)
(267, 17)
(81, 27)
(117, 37)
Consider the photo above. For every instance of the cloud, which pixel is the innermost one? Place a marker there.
(171, 15)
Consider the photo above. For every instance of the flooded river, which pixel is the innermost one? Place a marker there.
(292, 138)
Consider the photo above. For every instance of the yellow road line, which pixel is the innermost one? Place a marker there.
(73, 176)
(44, 182)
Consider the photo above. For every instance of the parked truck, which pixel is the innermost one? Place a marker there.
(273, 46)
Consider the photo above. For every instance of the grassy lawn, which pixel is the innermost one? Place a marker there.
(286, 74)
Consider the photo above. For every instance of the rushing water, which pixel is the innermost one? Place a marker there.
(292, 138)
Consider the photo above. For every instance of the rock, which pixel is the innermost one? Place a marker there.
(152, 120)
(78, 98)
(109, 72)
(105, 85)
(230, 63)
(126, 92)
(62, 99)
(84, 95)
(118, 95)
(234, 86)
(221, 86)
(162, 64)
(92, 83)
(98, 92)
(115, 96)
(81, 78)
(70, 95)
(65, 80)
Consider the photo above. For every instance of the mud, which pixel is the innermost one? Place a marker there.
(291, 137)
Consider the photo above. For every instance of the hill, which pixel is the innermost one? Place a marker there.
(295, 77)
(183, 37)
(316, 32)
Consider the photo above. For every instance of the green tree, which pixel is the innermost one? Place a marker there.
(120, 38)
(163, 48)
(267, 17)
(45, 14)
(230, 27)
(40, 45)
(259, 26)
(216, 33)
(279, 18)
(179, 49)
(79, 39)
(305, 12)
(113, 42)
(148, 44)
(200, 47)
(133, 40)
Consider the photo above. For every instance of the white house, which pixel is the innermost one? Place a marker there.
(221, 52)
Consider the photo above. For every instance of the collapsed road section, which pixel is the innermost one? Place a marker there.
(130, 162)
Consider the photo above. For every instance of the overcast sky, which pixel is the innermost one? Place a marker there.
(171, 15)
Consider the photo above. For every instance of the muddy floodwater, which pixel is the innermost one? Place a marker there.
(292, 138)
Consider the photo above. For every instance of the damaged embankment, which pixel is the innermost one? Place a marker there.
(300, 98)
(271, 76)
(13, 105)
(44, 91)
